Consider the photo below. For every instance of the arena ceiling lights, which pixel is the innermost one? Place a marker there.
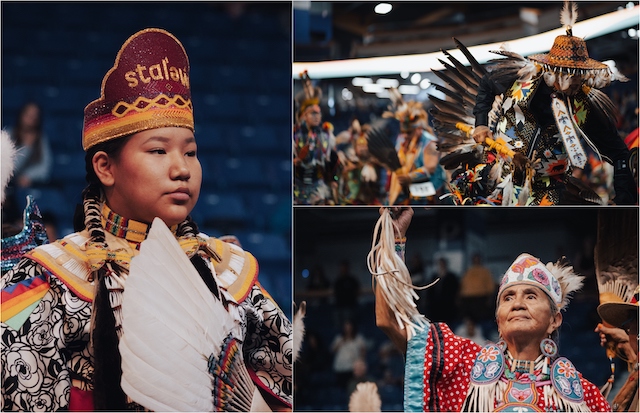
(394, 65)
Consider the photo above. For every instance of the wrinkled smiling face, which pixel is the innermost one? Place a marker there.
(524, 312)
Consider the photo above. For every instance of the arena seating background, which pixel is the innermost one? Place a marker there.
(56, 54)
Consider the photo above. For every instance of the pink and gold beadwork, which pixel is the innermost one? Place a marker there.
(147, 88)
(527, 269)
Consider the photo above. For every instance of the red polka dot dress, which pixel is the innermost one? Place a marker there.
(438, 373)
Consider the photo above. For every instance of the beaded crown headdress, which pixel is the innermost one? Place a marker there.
(558, 281)
(147, 87)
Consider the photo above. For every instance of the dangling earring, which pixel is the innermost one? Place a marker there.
(549, 349)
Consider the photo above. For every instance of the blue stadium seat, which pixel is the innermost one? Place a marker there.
(269, 209)
(217, 210)
(222, 104)
(84, 72)
(279, 174)
(13, 97)
(246, 172)
(68, 167)
(266, 246)
(210, 138)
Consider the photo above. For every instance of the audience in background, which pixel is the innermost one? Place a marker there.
(34, 159)
(477, 289)
(32, 163)
(469, 329)
(442, 296)
(347, 347)
(360, 375)
(346, 290)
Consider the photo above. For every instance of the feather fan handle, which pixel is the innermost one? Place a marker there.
(569, 15)
(393, 278)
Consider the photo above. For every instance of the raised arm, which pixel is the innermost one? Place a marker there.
(385, 317)
(386, 321)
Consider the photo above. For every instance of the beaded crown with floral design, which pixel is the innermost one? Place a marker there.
(558, 281)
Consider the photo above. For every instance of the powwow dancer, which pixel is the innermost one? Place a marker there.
(314, 150)
(512, 132)
(76, 312)
(444, 372)
(420, 177)
(358, 171)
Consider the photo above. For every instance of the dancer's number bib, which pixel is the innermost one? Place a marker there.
(422, 190)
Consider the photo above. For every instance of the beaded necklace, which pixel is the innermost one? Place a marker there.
(133, 231)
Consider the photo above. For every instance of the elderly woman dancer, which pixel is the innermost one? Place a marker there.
(444, 372)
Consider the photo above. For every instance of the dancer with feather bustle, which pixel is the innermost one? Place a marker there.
(514, 131)
(420, 177)
(314, 150)
(358, 171)
(138, 310)
(444, 372)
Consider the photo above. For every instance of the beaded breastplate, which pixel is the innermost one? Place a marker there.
(517, 382)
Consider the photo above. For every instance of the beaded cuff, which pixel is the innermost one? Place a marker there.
(400, 244)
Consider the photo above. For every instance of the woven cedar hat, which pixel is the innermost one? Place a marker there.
(569, 53)
(147, 88)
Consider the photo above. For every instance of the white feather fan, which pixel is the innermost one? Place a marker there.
(175, 331)
(298, 329)
(365, 398)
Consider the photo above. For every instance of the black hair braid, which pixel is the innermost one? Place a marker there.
(107, 393)
(188, 227)
(107, 362)
(92, 213)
